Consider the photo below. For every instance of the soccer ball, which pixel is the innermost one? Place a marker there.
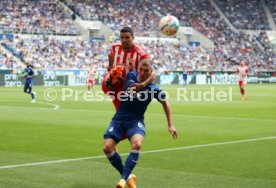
(169, 25)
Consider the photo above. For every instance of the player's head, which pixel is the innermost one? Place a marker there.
(144, 70)
(29, 65)
(127, 38)
(242, 63)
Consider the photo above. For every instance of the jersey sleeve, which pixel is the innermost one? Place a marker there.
(159, 94)
(145, 56)
(130, 79)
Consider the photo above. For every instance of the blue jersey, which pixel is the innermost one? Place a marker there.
(133, 106)
(29, 73)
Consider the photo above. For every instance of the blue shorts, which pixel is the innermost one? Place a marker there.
(117, 129)
(28, 85)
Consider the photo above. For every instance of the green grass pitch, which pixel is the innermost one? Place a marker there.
(221, 144)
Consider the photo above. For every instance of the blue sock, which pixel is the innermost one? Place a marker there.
(116, 161)
(131, 162)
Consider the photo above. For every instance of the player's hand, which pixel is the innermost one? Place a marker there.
(137, 86)
(172, 131)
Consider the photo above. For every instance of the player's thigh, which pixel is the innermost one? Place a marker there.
(241, 83)
(27, 87)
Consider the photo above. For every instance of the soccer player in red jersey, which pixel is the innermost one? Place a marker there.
(128, 54)
(91, 78)
(242, 72)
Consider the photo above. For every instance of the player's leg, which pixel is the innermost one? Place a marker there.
(242, 91)
(112, 155)
(185, 82)
(92, 84)
(136, 133)
(33, 94)
(111, 137)
(89, 86)
(26, 88)
(131, 161)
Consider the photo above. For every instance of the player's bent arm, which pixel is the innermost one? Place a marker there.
(150, 79)
(139, 86)
(167, 110)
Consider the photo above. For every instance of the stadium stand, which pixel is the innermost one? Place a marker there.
(272, 6)
(7, 61)
(36, 17)
(49, 17)
(139, 14)
(246, 14)
(58, 54)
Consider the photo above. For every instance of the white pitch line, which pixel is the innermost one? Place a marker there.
(152, 114)
(144, 152)
(56, 107)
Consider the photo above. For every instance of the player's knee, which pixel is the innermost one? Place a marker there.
(107, 149)
(136, 145)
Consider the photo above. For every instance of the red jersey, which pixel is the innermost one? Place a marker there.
(242, 72)
(91, 74)
(128, 59)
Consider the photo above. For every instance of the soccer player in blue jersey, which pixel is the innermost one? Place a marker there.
(185, 76)
(129, 120)
(29, 74)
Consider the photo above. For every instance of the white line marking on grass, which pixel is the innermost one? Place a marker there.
(56, 107)
(144, 152)
(152, 114)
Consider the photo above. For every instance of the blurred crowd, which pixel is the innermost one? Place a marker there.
(7, 61)
(78, 54)
(271, 4)
(48, 53)
(246, 14)
(115, 14)
(36, 17)
(50, 15)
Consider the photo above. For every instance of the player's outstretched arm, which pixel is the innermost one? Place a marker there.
(167, 110)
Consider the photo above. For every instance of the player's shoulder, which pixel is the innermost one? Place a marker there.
(131, 75)
(116, 44)
(155, 87)
(140, 50)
